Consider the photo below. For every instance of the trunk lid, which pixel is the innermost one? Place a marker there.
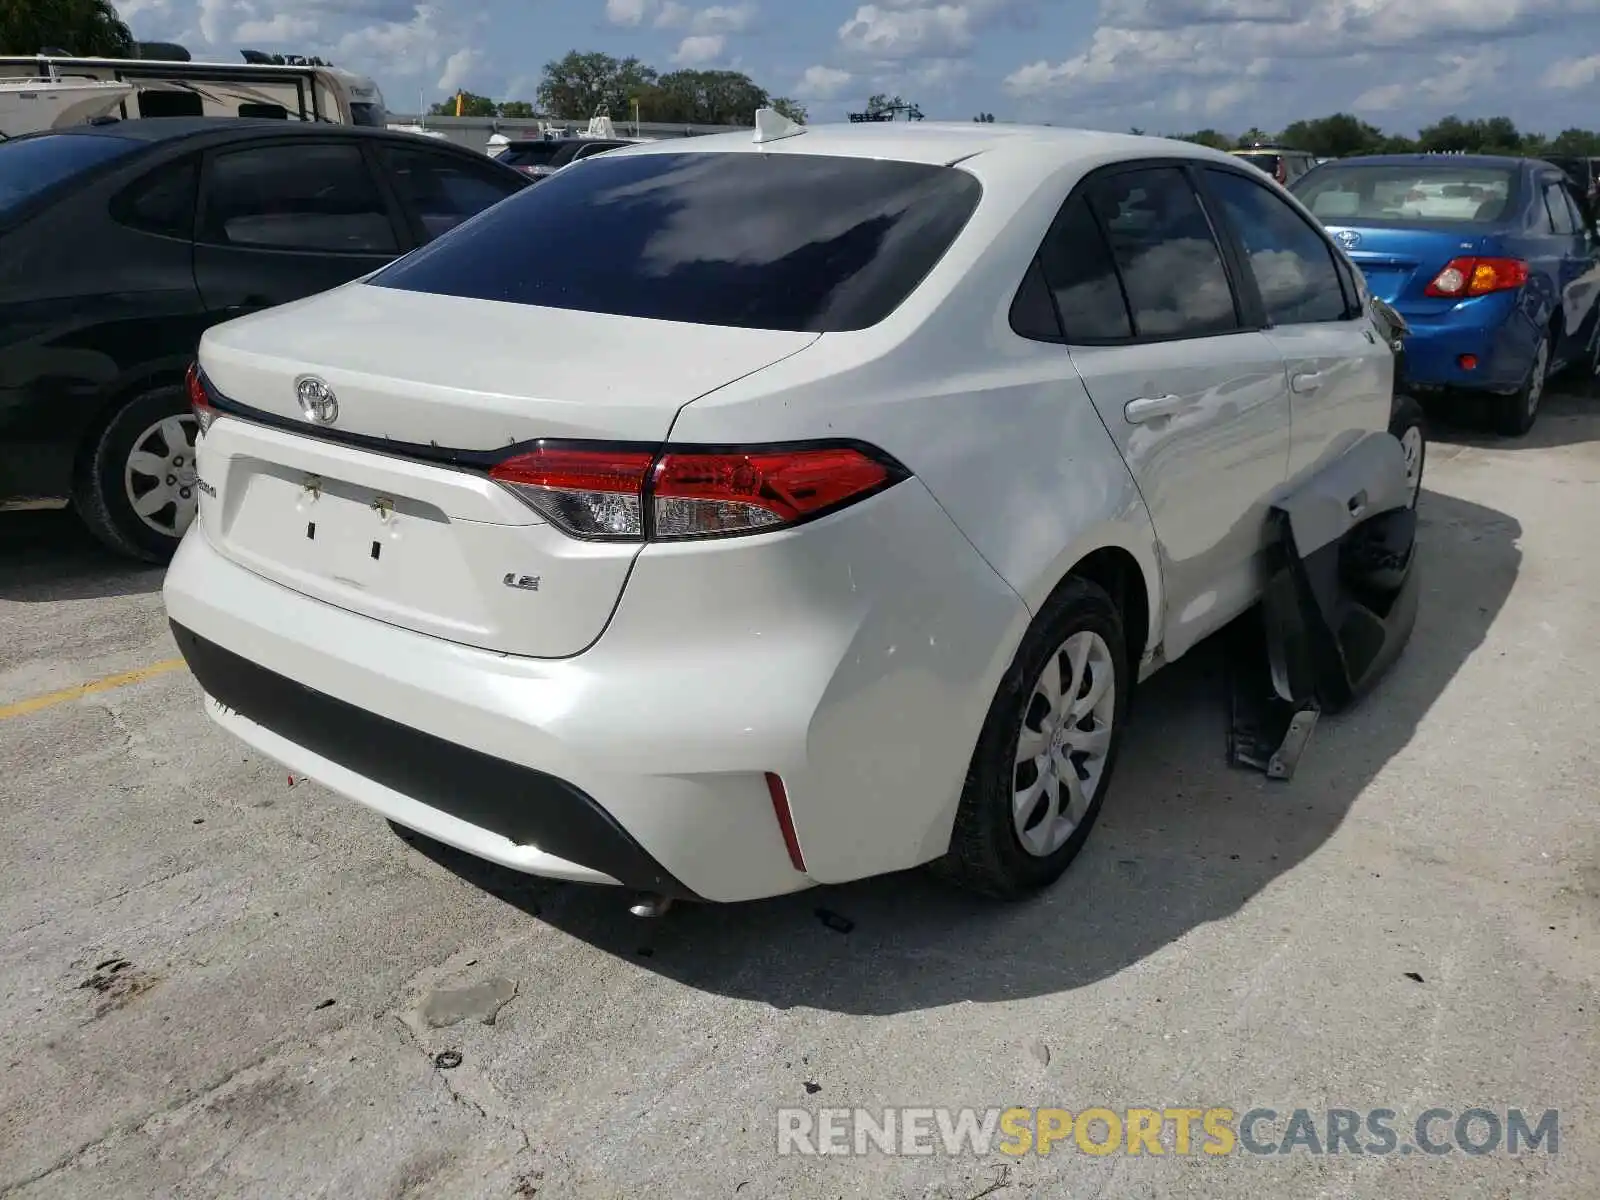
(392, 528)
(1399, 264)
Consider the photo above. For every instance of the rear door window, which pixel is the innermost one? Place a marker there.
(33, 166)
(1170, 266)
(1293, 266)
(296, 196)
(439, 191)
(798, 242)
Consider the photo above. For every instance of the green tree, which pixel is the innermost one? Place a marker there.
(793, 109)
(90, 28)
(1251, 136)
(702, 98)
(516, 108)
(1583, 142)
(579, 84)
(1336, 136)
(472, 105)
(1208, 137)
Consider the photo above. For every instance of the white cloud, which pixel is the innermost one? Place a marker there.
(628, 12)
(698, 50)
(456, 69)
(672, 15)
(903, 29)
(822, 83)
(1153, 50)
(1573, 73)
(279, 28)
(723, 19)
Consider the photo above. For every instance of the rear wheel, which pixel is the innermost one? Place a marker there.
(1514, 415)
(1409, 426)
(1039, 775)
(137, 488)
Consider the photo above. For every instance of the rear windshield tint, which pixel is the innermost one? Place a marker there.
(33, 166)
(529, 154)
(798, 242)
(1408, 193)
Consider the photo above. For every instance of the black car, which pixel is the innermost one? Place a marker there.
(1283, 163)
(120, 244)
(538, 157)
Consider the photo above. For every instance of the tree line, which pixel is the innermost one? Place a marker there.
(1342, 135)
(581, 84)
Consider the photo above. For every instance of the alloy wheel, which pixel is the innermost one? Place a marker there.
(160, 478)
(1411, 446)
(1063, 743)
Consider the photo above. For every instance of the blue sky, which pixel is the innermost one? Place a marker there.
(1162, 65)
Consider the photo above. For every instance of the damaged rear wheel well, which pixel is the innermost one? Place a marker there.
(1117, 571)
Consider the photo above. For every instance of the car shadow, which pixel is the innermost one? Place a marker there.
(49, 555)
(1569, 415)
(1184, 840)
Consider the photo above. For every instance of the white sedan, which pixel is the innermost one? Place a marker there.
(740, 514)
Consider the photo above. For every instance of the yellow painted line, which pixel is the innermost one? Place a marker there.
(22, 708)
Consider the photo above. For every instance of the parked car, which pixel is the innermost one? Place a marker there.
(1585, 176)
(1283, 163)
(734, 515)
(541, 157)
(1491, 261)
(120, 244)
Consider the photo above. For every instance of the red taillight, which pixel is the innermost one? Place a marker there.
(1281, 172)
(1468, 276)
(630, 495)
(199, 398)
(588, 493)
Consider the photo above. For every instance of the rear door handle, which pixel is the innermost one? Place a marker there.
(1306, 381)
(1148, 408)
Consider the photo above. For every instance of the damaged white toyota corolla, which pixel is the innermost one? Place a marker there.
(725, 517)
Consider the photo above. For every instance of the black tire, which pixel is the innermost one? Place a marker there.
(1408, 416)
(101, 495)
(986, 855)
(1514, 415)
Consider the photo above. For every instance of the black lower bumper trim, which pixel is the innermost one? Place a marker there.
(526, 806)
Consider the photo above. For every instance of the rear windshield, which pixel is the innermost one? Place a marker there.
(1408, 194)
(529, 154)
(32, 166)
(761, 241)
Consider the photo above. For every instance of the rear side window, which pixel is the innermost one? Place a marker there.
(33, 166)
(1171, 269)
(1555, 198)
(162, 202)
(318, 197)
(1082, 277)
(786, 241)
(529, 154)
(440, 190)
(1293, 266)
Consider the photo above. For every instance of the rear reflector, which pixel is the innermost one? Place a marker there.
(780, 809)
(600, 492)
(199, 398)
(1467, 276)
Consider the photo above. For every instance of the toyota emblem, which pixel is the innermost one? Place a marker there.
(317, 401)
(1348, 238)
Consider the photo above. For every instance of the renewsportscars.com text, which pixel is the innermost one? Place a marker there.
(1152, 1131)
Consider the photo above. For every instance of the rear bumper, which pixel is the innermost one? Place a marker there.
(854, 657)
(1493, 330)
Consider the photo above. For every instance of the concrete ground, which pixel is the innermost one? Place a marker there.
(215, 983)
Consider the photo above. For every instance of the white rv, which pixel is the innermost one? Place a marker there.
(33, 89)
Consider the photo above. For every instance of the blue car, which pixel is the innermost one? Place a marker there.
(1493, 262)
